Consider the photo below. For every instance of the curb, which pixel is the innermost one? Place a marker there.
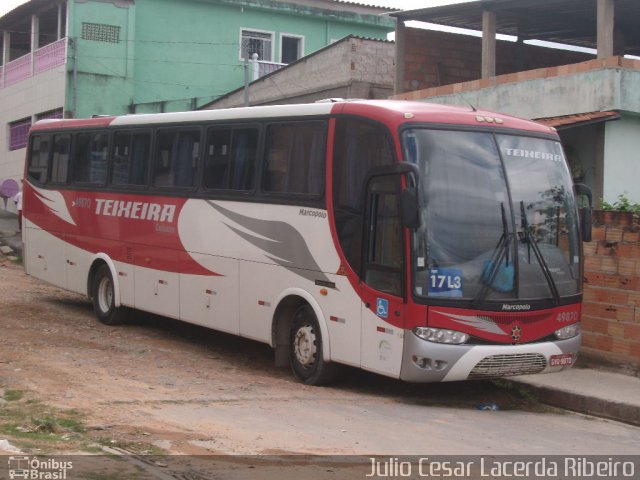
(598, 407)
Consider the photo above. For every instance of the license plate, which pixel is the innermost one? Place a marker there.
(561, 360)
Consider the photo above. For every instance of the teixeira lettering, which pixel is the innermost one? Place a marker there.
(517, 152)
(136, 210)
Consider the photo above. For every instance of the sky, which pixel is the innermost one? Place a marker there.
(8, 5)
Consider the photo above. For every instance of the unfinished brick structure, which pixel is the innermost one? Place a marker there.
(611, 311)
(432, 59)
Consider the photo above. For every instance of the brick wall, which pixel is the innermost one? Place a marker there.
(611, 310)
(435, 58)
(351, 68)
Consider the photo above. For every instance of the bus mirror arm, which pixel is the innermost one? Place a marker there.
(409, 199)
(580, 189)
(402, 168)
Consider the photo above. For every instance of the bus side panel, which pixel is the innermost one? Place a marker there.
(382, 344)
(126, 279)
(45, 255)
(211, 300)
(77, 264)
(260, 285)
(341, 308)
(157, 291)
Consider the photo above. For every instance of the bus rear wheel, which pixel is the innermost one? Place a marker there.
(103, 297)
(305, 350)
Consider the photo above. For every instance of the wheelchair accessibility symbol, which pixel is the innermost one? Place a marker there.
(382, 307)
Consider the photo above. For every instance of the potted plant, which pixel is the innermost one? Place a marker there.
(620, 212)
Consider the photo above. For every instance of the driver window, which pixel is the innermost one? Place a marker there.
(358, 147)
(383, 268)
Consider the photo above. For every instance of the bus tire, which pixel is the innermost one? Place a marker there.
(305, 350)
(103, 297)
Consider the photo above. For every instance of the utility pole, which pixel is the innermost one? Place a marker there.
(246, 82)
(74, 53)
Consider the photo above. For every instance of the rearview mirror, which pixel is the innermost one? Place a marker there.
(584, 200)
(586, 223)
(409, 208)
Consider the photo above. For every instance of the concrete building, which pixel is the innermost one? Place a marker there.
(77, 58)
(581, 94)
(353, 67)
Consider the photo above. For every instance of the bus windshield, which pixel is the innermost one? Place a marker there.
(498, 218)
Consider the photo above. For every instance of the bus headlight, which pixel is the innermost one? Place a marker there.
(569, 331)
(440, 335)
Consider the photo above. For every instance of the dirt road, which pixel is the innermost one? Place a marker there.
(161, 385)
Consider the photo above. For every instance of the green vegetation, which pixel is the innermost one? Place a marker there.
(13, 395)
(33, 425)
(139, 448)
(622, 204)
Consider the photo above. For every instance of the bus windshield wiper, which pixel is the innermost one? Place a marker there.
(490, 271)
(533, 244)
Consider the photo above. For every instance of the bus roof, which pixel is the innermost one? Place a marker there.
(390, 112)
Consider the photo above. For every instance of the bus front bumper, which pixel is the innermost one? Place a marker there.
(425, 361)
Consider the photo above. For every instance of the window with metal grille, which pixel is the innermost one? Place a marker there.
(256, 42)
(18, 133)
(99, 32)
(57, 113)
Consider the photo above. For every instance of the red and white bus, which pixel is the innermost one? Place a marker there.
(422, 242)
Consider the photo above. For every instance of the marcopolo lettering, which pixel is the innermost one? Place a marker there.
(135, 210)
(509, 307)
(306, 212)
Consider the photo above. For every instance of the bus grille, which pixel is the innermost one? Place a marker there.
(510, 364)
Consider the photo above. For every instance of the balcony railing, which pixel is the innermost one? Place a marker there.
(50, 56)
(265, 68)
(45, 58)
(18, 70)
(261, 68)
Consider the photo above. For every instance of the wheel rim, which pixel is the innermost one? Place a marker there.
(105, 294)
(304, 346)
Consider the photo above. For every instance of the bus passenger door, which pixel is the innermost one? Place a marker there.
(382, 280)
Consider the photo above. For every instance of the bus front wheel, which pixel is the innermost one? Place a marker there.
(103, 297)
(305, 350)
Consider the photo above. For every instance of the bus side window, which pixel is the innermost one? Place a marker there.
(294, 160)
(90, 157)
(177, 156)
(230, 158)
(39, 158)
(60, 158)
(130, 158)
(358, 147)
(217, 159)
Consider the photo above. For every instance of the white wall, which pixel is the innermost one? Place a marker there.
(622, 158)
(38, 94)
